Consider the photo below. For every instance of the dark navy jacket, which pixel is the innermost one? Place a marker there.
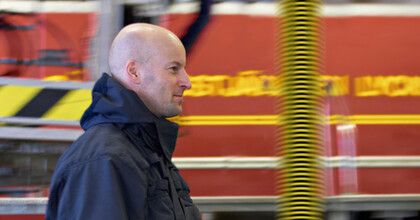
(120, 168)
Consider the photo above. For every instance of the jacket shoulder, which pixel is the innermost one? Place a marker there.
(103, 140)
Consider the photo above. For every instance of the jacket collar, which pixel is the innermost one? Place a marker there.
(167, 135)
(113, 103)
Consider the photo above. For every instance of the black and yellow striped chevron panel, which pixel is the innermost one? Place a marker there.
(39, 99)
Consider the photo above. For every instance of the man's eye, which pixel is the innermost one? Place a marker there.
(174, 68)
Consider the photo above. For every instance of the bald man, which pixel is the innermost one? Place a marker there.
(121, 168)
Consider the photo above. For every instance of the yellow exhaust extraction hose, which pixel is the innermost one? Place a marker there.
(299, 139)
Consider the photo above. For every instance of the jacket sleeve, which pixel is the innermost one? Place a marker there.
(102, 188)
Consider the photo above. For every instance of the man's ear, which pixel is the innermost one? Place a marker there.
(132, 69)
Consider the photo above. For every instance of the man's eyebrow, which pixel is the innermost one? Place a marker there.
(176, 63)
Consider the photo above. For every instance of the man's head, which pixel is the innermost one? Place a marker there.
(151, 60)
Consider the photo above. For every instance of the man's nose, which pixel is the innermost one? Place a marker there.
(184, 80)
